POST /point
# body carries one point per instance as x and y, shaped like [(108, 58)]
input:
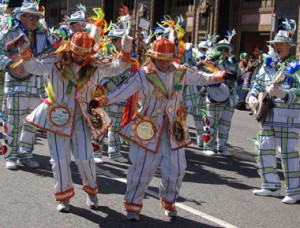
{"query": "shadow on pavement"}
[(112, 218)]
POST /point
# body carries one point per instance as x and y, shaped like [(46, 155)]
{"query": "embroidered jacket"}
[(160, 97), (285, 113), (71, 94)]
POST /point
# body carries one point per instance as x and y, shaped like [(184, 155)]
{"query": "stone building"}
[(255, 21)]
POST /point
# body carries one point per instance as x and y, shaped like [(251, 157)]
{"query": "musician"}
[(22, 90), (280, 129), (221, 112), (74, 75), (158, 132)]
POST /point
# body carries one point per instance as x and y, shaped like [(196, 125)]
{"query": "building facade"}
[(255, 21)]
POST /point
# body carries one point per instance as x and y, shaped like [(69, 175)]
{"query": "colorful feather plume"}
[(230, 34), (294, 67), (147, 36), (99, 21), (81, 7), (289, 25), (210, 40), (99, 27), (123, 11), (172, 31)]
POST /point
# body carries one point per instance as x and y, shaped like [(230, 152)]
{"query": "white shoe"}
[(11, 164), (291, 199), (29, 163), (63, 206), (92, 201), (133, 216), (98, 160), (120, 159), (171, 214), (209, 152), (266, 192), (224, 153)]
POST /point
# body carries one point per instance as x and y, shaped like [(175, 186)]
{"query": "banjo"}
[(265, 102), (12, 45)]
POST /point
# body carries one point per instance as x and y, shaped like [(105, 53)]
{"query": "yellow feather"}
[(17, 63), (50, 92)]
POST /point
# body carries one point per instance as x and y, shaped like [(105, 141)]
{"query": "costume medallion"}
[(59, 115), (178, 131), (96, 119), (145, 130)]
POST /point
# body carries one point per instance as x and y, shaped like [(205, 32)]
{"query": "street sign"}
[(144, 23)]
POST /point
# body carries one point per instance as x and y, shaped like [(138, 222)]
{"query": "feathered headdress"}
[(173, 32), (125, 15), (225, 43), (81, 7), (99, 27), (286, 35)]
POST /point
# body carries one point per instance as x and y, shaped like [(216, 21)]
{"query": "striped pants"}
[(144, 165), (285, 140), (19, 137), (80, 146), (115, 112), (220, 123)]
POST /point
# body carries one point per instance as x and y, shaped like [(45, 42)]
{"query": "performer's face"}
[(77, 27), (29, 21), (282, 50), (162, 65), (78, 59)]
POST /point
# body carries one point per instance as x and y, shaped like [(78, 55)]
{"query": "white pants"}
[(81, 147), (145, 164)]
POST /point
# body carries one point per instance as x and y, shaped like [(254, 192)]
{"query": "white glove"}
[(20, 42), (275, 91), (126, 44), (23, 44), (253, 102)]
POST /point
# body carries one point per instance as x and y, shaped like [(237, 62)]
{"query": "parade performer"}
[(158, 132), (280, 128), (22, 90), (74, 75), (221, 109), (75, 23)]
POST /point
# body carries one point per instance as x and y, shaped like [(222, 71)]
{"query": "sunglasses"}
[(33, 17)]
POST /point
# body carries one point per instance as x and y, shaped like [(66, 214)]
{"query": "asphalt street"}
[(216, 192)]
